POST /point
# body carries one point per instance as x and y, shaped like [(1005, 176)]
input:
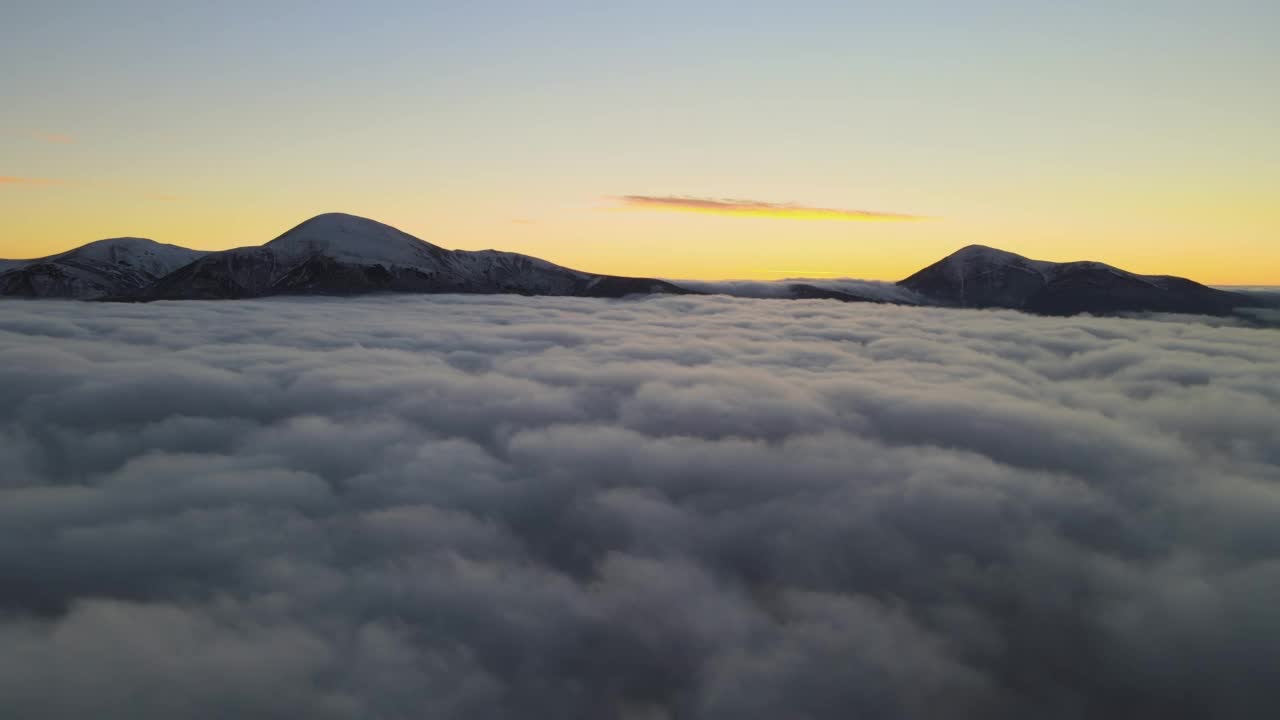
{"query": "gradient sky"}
[(1142, 133)]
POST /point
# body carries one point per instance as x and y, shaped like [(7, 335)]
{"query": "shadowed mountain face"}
[(983, 277)]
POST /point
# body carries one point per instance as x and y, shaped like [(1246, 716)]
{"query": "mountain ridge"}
[(329, 254), (343, 254), (978, 276), (95, 269)]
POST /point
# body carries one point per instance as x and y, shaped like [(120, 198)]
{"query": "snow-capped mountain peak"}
[(149, 256), (353, 239), (977, 259)]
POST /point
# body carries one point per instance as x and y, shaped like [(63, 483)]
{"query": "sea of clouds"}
[(677, 507)]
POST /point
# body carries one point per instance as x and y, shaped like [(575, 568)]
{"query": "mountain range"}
[(330, 254), (339, 254)]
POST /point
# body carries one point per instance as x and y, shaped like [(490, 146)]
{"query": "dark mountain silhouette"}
[(983, 277), (338, 254)]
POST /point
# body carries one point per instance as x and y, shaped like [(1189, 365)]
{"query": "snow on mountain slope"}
[(359, 241), (351, 239), (146, 256), (981, 276), (98, 269)]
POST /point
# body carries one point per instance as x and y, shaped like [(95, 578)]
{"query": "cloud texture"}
[(681, 507), (755, 208)]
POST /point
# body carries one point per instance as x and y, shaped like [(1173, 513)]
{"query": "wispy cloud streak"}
[(758, 208)]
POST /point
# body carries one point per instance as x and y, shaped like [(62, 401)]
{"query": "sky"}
[(705, 140)]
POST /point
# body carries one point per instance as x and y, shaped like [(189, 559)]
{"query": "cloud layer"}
[(756, 208), (681, 507)]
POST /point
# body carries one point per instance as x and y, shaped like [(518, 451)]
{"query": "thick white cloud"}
[(678, 507)]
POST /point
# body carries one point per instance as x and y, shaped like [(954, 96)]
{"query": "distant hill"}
[(982, 277)]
